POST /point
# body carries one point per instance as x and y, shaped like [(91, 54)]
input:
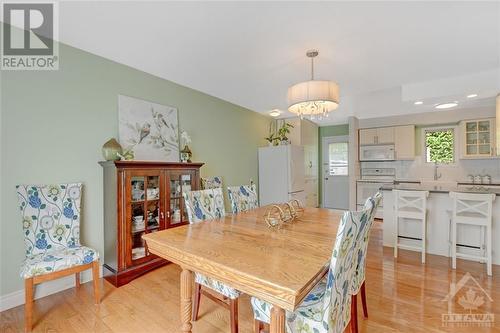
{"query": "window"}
[(338, 158), (440, 145)]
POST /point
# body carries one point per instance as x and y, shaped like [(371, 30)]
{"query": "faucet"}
[(436, 174)]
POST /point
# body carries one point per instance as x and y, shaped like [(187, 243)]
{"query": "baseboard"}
[(16, 298)]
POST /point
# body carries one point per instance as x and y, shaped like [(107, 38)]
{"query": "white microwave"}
[(376, 153)]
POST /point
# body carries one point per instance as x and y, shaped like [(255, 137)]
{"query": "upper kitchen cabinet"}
[(404, 142), (376, 136), (478, 138), (402, 137)]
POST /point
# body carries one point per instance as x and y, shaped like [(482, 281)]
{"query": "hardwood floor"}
[(403, 296)]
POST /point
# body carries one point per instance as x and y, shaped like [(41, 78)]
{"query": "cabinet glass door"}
[(478, 137), (144, 213), (179, 183)]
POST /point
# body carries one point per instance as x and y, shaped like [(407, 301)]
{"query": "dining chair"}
[(201, 206), (243, 198), (51, 228), (327, 307), (208, 183), (360, 251)]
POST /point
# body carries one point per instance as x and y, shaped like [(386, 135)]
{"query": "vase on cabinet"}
[(111, 150)]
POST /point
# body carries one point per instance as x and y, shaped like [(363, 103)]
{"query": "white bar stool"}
[(473, 209), (411, 205)]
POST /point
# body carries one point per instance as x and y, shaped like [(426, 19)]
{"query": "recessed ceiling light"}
[(418, 103), (275, 113), (446, 105), (471, 95)]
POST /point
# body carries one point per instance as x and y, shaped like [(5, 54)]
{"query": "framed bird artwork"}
[(150, 130)]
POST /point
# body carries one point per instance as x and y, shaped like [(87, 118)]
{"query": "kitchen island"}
[(439, 206)]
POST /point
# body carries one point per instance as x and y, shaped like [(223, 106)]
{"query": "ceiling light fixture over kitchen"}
[(418, 103), (275, 113), (471, 95), (446, 105), (313, 98)]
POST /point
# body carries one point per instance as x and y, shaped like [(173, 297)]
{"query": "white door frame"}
[(334, 138)]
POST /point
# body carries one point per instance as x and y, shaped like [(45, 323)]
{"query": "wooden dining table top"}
[(278, 266)]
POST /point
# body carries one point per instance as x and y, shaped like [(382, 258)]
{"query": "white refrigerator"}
[(281, 174)]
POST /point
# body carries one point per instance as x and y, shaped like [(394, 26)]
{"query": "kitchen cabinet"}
[(141, 198), (367, 136), (403, 138), (376, 136), (311, 189), (305, 133), (478, 138), (404, 142)]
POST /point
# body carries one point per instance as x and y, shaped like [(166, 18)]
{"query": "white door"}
[(335, 172)]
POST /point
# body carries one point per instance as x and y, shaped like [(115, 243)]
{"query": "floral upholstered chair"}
[(210, 183), (201, 206), (327, 307), (51, 227), (243, 198), (360, 251), (204, 205)]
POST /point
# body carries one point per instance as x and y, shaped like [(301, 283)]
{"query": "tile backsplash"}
[(420, 170)]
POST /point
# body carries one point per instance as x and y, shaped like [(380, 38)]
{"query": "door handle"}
[(326, 178)]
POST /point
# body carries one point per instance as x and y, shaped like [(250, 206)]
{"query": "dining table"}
[(279, 266)]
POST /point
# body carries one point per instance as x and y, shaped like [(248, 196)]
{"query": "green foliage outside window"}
[(439, 146)]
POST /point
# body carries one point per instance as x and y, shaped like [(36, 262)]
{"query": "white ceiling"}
[(382, 54)]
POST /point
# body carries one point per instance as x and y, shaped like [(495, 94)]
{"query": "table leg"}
[(186, 300), (277, 320)]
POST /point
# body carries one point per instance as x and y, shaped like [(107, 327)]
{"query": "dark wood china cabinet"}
[(141, 197)]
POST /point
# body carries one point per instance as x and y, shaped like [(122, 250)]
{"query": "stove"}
[(369, 184)]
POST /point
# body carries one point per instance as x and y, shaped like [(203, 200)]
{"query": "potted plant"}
[(283, 132), (271, 139)]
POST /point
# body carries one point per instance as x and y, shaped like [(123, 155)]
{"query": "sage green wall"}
[(54, 124), (326, 131)]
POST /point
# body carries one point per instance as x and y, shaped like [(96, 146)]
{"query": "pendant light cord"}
[(312, 68)]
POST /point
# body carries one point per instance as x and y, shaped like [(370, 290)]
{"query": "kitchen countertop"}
[(440, 188)]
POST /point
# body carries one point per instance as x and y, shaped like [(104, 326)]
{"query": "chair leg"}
[(482, 241), (233, 307), (453, 245), (95, 280), (354, 313), (256, 326), (77, 280), (489, 251), (396, 228), (28, 305), (424, 239), (363, 300), (196, 302)]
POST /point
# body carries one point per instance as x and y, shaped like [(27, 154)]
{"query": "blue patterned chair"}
[(51, 228), (202, 206), (242, 198), (360, 251), (210, 183), (327, 307)]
